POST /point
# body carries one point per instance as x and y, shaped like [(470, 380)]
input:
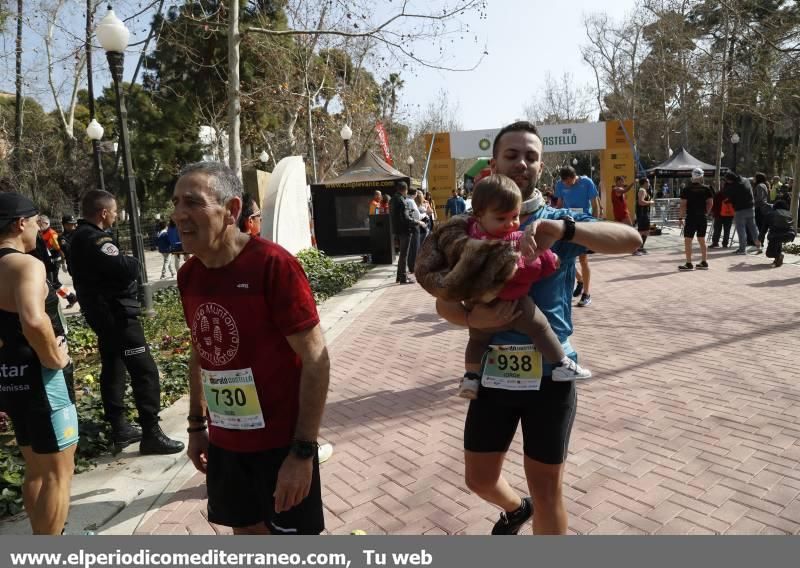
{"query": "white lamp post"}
[(410, 162), (346, 135), (113, 37), (95, 131), (735, 141)]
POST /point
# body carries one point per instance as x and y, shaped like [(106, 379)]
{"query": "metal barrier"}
[(665, 212)]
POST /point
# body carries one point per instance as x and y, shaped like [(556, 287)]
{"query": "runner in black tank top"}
[(39, 401), (34, 370)]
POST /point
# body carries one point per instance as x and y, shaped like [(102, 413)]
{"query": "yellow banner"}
[(616, 138), (441, 146)]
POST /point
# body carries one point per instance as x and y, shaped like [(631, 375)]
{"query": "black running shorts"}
[(546, 416), (695, 226), (643, 223), (241, 487), (40, 404)]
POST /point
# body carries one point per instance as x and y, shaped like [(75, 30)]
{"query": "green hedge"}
[(169, 341), (791, 248)]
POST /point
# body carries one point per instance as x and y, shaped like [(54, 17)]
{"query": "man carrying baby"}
[(545, 408), (496, 204)]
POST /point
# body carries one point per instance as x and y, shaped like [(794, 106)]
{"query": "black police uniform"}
[(106, 282), (64, 241), (50, 265)]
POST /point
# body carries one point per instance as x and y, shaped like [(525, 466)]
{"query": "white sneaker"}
[(468, 388), (569, 370), (324, 452)]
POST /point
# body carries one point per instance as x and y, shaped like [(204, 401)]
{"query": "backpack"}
[(726, 209)]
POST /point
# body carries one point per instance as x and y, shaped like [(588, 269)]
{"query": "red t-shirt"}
[(239, 316), (620, 206)]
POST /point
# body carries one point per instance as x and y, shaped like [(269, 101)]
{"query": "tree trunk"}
[(796, 183), (725, 67), (18, 107), (234, 104)]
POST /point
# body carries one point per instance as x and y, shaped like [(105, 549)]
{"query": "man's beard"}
[(527, 191)]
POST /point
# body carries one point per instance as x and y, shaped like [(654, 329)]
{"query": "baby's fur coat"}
[(454, 267)]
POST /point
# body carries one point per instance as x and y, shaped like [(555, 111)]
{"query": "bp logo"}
[(484, 144)]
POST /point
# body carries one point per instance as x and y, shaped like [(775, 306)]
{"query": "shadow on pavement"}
[(776, 283), (643, 276), (742, 267), (357, 411)]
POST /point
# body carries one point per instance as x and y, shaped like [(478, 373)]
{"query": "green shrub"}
[(169, 341), (791, 248), (328, 278)]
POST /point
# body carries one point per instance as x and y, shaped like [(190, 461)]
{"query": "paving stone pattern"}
[(690, 428)]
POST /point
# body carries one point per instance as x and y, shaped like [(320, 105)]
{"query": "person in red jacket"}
[(618, 200), (723, 212)]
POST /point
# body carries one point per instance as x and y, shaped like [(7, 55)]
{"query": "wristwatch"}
[(304, 449), (569, 228)]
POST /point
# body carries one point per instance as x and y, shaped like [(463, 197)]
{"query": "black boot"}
[(124, 434), (154, 441)]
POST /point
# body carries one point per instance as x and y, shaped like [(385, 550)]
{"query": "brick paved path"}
[(692, 426)]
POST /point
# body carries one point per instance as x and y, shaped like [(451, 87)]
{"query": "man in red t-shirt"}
[(259, 369), (618, 200)]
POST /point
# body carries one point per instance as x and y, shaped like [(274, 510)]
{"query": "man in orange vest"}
[(50, 238)]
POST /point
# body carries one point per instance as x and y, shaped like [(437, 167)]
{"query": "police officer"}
[(69, 223), (107, 289)]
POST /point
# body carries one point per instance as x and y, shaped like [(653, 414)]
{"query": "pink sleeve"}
[(549, 263)]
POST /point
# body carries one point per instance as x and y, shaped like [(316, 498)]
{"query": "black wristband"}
[(192, 429), (569, 228), (196, 418)]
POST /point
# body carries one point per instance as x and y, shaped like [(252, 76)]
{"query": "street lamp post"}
[(346, 135), (98, 162), (735, 141), (113, 37), (95, 133), (263, 157), (410, 162)]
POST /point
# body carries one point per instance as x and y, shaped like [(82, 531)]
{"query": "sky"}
[(525, 39)]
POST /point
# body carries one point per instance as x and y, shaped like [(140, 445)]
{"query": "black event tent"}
[(681, 164), (341, 205)]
